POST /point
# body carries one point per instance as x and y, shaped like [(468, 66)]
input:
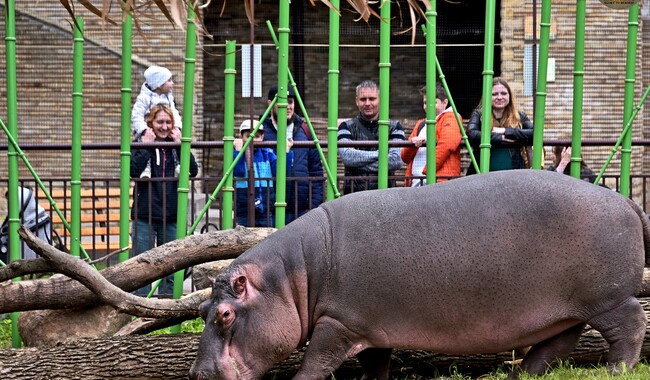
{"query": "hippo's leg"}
[(375, 363), (328, 348), (624, 329), (543, 354)]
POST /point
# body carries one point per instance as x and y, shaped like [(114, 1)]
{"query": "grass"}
[(564, 371)]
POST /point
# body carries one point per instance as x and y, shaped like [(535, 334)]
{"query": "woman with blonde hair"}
[(512, 131)]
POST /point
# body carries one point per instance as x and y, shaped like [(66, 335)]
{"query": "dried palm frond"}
[(176, 10)]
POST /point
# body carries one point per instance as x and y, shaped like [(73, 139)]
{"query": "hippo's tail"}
[(646, 228)]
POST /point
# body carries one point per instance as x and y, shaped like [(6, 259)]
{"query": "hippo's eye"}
[(226, 314)]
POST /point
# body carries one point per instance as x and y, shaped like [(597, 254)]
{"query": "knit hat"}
[(274, 90), (156, 76), (246, 126)]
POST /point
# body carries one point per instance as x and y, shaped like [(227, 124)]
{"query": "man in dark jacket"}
[(307, 192)]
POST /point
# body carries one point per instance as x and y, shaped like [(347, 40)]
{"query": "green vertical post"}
[(431, 60), (125, 140), (77, 113), (12, 153), (333, 94), (578, 81), (542, 73), (488, 76), (186, 140), (283, 77), (628, 104), (384, 92), (228, 133)]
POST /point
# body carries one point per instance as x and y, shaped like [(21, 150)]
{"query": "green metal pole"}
[(430, 70), (578, 80), (330, 178), (488, 76), (230, 73), (333, 96), (12, 154), (542, 73), (463, 134), (283, 68), (228, 172), (384, 92), (77, 113), (186, 140), (630, 66), (628, 126), (125, 141)]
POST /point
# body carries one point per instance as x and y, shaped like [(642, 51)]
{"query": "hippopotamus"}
[(480, 264)]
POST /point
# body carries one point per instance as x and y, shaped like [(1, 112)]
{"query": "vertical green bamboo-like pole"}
[(384, 92), (77, 113), (228, 132), (186, 140), (125, 140), (630, 66), (488, 76), (578, 81), (12, 153), (542, 73), (431, 60), (333, 94), (283, 77)]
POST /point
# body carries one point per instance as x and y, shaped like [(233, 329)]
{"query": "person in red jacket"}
[(448, 139)]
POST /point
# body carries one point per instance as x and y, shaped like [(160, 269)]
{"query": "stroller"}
[(32, 216)]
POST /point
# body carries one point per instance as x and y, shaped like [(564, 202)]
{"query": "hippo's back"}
[(497, 240)]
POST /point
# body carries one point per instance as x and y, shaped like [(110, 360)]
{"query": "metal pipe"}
[(384, 92), (578, 80), (630, 66), (228, 172), (625, 132), (228, 132), (540, 102), (77, 117), (333, 74), (330, 178), (283, 68), (125, 138), (488, 76), (430, 71), (12, 152)]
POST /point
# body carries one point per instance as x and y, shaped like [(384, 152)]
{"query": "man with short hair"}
[(302, 194), (364, 161)]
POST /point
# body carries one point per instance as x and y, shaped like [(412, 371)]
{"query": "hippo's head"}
[(249, 326)]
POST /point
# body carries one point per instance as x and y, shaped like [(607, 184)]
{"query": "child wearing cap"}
[(264, 165), (156, 89)]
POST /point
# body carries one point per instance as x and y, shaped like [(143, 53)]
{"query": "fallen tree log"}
[(170, 357), (61, 292)]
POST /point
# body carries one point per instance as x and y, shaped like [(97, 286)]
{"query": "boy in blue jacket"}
[(264, 165)]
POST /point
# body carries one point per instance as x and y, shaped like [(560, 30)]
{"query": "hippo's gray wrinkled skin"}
[(480, 264)]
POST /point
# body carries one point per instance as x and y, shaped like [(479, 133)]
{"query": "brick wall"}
[(44, 78)]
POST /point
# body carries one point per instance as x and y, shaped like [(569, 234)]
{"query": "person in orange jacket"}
[(448, 138)]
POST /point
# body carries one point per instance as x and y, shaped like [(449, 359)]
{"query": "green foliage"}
[(5, 332), (191, 326)]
